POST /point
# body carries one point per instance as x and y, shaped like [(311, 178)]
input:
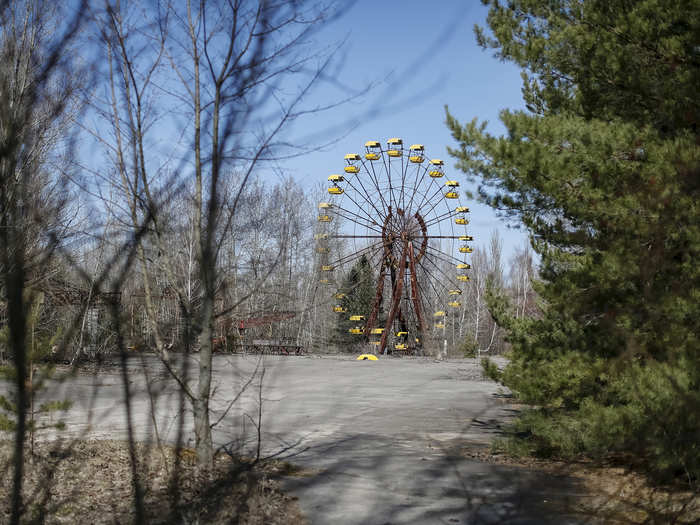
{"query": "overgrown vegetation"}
[(603, 169)]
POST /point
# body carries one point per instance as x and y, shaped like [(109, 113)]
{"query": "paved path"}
[(382, 442)]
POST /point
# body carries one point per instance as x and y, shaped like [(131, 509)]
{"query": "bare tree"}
[(35, 91), (219, 73)]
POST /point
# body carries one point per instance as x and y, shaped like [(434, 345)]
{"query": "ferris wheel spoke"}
[(444, 256), (362, 209), (439, 218), (356, 254), (375, 180), (416, 183), (366, 197), (358, 219)]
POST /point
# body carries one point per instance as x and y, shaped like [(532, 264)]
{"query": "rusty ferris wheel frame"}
[(406, 217)]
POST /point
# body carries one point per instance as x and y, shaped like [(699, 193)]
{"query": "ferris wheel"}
[(396, 209)]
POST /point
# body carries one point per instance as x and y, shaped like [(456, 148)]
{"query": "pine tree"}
[(603, 169), (358, 292)]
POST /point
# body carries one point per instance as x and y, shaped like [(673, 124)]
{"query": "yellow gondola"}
[(464, 266), (451, 195), (336, 178), (324, 281), (401, 346), (401, 334), (339, 295), (374, 150), (463, 278), (436, 174), (375, 343), (440, 313), (460, 220), (335, 190), (416, 153), (325, 205), (325, 218), (395, 147), (352, 169), (377, 331), (466, 238), (452, 183), (339, 309), (437, 162), (454, 304), (357, 318), (356, 331), (465, 249), (351, 157), (462, 209), (318, 236), (439, 325), (327, 268), (455, 292)]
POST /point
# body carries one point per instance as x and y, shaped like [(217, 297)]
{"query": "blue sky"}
[(420, 56)]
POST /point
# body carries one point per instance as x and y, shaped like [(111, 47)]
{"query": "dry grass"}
[(91, 482)]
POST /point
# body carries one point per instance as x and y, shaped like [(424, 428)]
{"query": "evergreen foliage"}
[(604, 171), (359, 290)]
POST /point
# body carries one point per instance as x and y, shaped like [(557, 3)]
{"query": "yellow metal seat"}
[(462, 209), (464, 266), (439, 313), (356, 331), (454, 304), (439, 325), (335, 190), (401, 346), (324, 281), (416, 153), (325, 205), (357, 318), (325, 218), (339, 309), (463, 278), (339, 295), (377, 331), (318, 236), (466, 238), (455, 292), (374, 150), (452, 183), (327, 268), (395, 147), (351, 157), (451, 195), (460, 220), (437, 162), (336, 178), (352, 169), (436, 174), (401, 334), (465, 249)]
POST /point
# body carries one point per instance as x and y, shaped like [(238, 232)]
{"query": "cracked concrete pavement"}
[(379, 442)]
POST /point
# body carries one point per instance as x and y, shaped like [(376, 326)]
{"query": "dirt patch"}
[(91, 482), (615, 494)]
